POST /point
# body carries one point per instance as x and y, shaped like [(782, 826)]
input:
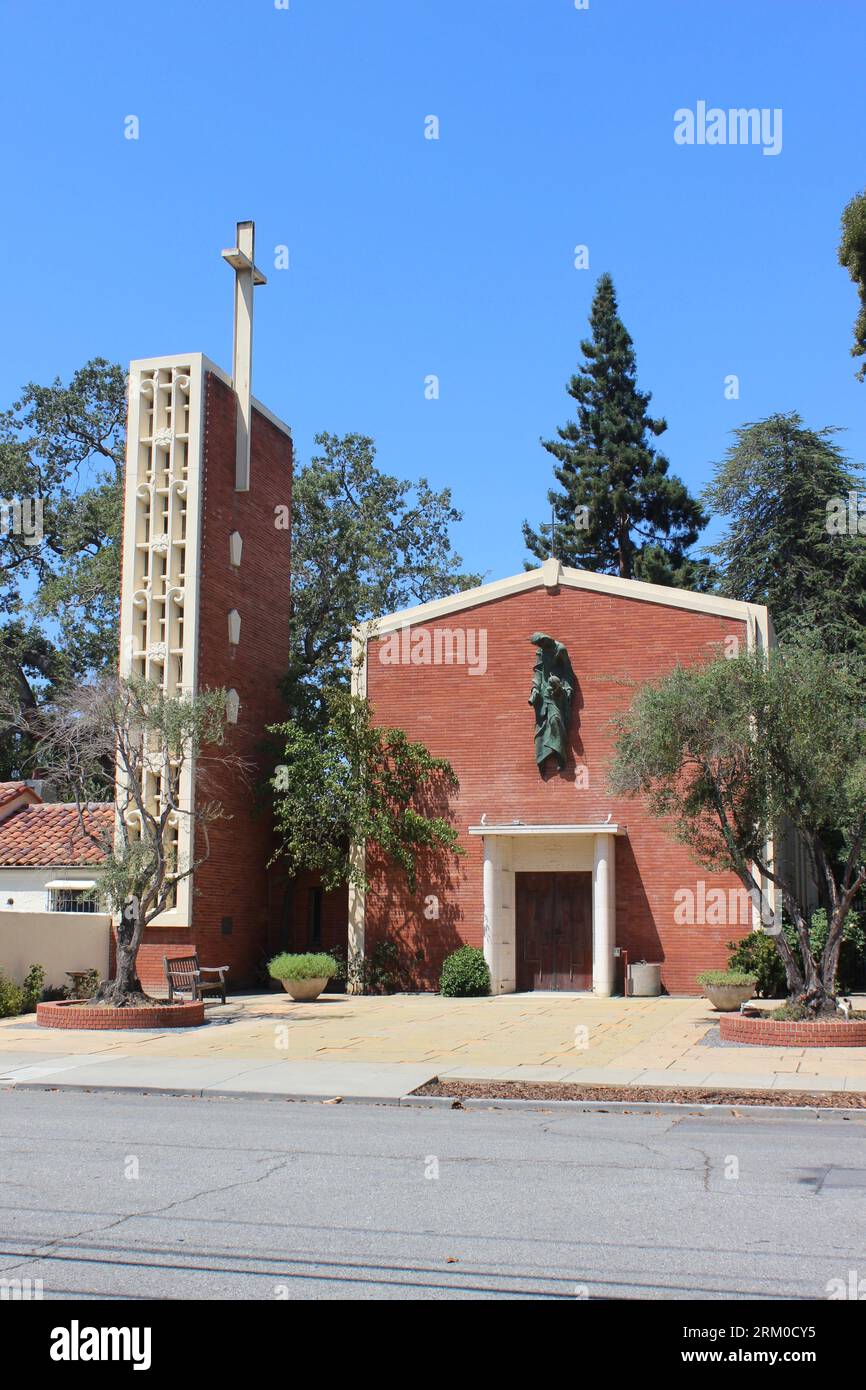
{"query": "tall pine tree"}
[(617, 510), (794, 539), (852, 254)]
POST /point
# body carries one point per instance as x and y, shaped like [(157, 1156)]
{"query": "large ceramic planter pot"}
[(304, 990), (727, 998)]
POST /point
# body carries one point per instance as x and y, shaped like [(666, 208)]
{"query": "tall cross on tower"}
[(247, 275)]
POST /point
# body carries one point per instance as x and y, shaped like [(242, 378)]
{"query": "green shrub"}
[(381, 971), (852, 953), (21, 999), (11, 997), (34, 984), (83, 986), (714, 978), (794, 1013), (313, 965), (465, 974), (90, 984), (384, 969), (757, 954)]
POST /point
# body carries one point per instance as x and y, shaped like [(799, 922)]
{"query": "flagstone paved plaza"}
[(666, 1041)]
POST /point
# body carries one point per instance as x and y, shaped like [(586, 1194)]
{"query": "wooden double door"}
[(554, 930)]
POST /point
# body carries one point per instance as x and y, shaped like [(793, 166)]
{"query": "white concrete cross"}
[(247, 275)]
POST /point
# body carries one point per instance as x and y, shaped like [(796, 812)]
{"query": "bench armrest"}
[(213, 969)]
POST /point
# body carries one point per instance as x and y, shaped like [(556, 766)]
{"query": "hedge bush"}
[(312, 965), (11, 997), (465, 974), (757, 954), (23, 998)]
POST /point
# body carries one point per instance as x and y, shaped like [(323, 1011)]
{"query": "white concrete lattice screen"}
[(162, 475)]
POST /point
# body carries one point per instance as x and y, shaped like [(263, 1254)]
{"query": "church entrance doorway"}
[(554, 931)]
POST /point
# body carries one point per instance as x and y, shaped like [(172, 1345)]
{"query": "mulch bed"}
[(563, 1090)]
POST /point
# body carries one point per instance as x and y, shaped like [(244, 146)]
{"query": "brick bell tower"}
[(205, 603)]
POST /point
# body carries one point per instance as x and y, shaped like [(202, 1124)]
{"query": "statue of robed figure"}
[(553, 687)]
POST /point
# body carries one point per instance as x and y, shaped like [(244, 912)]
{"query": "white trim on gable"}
[(553, 575)]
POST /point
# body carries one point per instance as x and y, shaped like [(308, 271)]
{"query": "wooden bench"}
[(184, 976)]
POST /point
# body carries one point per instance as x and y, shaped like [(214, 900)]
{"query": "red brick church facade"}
[(561, 881)]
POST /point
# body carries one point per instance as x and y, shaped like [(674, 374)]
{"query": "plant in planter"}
[(727, 989), (303, 976)]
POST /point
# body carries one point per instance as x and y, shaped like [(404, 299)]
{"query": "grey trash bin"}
[(644, 981)]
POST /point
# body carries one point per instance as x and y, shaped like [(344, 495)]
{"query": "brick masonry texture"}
[(60, 1015), (484, 726), (230, 902), (292, 915), (777, 1032)]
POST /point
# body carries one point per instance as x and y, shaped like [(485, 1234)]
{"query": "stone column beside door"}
[(603, 915), (498, 915)]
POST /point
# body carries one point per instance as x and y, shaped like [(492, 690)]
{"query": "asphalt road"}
[(106, 1196)]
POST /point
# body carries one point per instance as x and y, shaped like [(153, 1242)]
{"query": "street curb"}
[(646, 1107), (198, 1092)]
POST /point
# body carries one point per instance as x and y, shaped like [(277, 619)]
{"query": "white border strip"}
[(547, 829), (549, 577)]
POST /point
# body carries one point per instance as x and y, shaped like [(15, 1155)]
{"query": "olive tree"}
[(126, 739), (732, 751)]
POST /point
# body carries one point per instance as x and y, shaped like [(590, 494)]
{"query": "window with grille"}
[(73, 900)]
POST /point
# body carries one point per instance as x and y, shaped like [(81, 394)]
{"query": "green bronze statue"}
[(553, 687)]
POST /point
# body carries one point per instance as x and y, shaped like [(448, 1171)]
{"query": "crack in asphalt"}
[(45, 1247)]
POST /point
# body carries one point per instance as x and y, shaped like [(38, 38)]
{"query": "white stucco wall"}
[(26, 887)]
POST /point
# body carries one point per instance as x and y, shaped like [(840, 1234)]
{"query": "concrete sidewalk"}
[(202, 1076), (384, 1047), (207, 1076)]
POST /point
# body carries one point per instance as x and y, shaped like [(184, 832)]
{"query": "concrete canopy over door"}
[(512, 849)]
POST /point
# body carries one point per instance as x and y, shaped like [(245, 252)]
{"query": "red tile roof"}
[(50, 834), (9, 791)]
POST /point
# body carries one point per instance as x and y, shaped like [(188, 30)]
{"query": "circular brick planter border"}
[(777, 1032), (65, 1013)]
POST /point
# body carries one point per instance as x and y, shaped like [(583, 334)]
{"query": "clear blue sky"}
[(453, 257)]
